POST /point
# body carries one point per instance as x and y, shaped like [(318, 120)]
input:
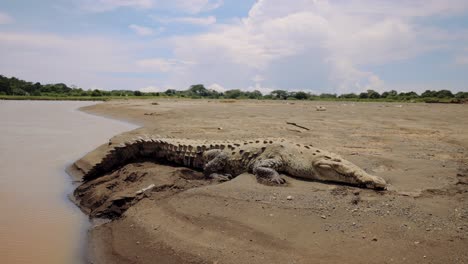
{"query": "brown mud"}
[(420, 149)]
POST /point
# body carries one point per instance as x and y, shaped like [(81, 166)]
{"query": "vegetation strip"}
[(16, 89)]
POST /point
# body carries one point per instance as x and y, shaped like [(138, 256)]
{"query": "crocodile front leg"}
[(267, 169), (216, 162)]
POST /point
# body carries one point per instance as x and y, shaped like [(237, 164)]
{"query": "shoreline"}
[(196, 221), (75, 172)]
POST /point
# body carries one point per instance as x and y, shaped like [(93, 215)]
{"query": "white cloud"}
[(94, 53), (86, 61), (462, 57), (186, 6), (108, 5), (328, 46), (144, 31), (5, 18), (194, 6), (258, 78), (462, 60), (349, 36), (153, 89), (202, 21), (216, 87), (259, 87), (162, 65)]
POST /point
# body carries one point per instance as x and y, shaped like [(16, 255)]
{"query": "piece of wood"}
[(294, 124)]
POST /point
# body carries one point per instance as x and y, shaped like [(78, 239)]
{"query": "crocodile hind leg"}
[(267, 169), (213, 169)]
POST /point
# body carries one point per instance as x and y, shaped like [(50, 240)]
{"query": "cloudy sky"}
[(334, 46)]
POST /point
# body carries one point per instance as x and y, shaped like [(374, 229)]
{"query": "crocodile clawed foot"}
[(277, 179), (220, 177)]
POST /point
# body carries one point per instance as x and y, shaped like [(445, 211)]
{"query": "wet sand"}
[(38, 223), (420, 149)]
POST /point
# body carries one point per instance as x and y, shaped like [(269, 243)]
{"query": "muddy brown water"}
[(38, 224)]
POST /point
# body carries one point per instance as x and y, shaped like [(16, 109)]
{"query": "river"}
[(38, 140)]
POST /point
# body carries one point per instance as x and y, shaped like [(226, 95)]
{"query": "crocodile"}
[(265, 158)]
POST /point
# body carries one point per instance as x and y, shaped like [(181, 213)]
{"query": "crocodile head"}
[(339, 170)]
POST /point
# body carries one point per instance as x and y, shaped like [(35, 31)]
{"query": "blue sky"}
[(312, 45)]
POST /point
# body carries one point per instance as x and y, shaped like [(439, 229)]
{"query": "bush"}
[(350, 95), (444, 94), (373, 94), (96, 93), (301, 95), (363, 95)]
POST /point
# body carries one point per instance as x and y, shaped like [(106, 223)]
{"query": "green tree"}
[(4, 85), (233, 94), (349, 95), (19, 91), (389, 94), (461, 95), (279, 94), (256, 94), (327, 95), (444, 94), (96, 93), (373, 94), (198, 90), (301, 95), (429, 93), (170, 92), (408, 95)]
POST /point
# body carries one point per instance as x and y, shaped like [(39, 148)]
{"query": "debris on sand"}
[(289, 198), (299, 126), (151, 114), (320, 108), (294, 130), (151, 186), (355, 200)]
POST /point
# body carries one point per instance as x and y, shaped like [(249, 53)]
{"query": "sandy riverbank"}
[(420, 149)]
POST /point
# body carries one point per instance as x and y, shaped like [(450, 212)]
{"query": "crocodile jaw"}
[(344, 171)]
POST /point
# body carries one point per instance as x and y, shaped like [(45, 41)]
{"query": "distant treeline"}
[(15, 87), (199, 91)]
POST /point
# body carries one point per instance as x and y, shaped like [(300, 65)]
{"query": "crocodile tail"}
[(123, 154)]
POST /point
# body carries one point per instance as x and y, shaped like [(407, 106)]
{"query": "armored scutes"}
[(265, 158)]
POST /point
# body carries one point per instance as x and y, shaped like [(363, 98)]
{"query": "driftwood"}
[(294, 124)]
